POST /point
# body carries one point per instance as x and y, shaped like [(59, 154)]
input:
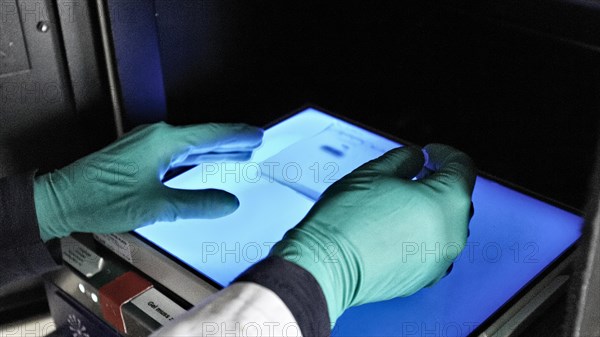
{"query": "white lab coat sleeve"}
[(242, 309)]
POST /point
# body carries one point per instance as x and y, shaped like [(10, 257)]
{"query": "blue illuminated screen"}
[(513, 236)]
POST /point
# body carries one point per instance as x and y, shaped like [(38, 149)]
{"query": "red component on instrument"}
[(118, 292)]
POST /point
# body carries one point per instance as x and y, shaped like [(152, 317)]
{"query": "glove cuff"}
[(47, 208), (327, 261)]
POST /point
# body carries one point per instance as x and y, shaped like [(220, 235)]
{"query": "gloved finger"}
[(219, 137), (448, 271), (436, 280), (451, 168), (179, 142), (403, 162), (199, 204), (211, 157), (471, 213), (425, 172), (441, 276)]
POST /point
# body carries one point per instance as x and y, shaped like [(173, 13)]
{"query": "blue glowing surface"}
[(513, 236)]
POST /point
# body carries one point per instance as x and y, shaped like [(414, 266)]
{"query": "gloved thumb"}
[(404, 162), (199, 204)]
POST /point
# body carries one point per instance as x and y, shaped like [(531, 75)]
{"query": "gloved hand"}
[(119, 188), (371, 235)]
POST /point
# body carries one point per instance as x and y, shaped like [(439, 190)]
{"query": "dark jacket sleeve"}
[(297, 288), (23, 254)]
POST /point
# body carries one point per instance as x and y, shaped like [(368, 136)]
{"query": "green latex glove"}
[(365, 239), (119, 188)]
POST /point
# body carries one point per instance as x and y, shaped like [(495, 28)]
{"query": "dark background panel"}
[(485, 78), (52, 110), (54, 105)]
